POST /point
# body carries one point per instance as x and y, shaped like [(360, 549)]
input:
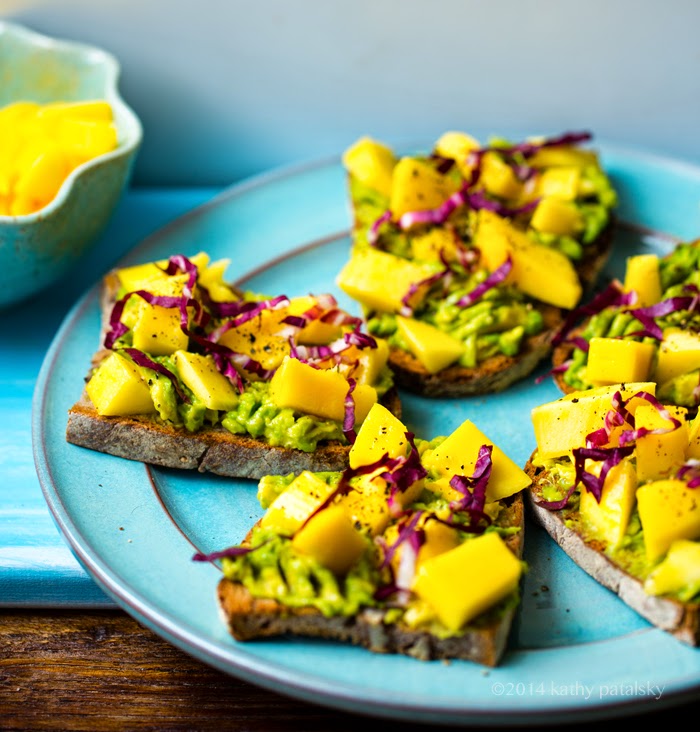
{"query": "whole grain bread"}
[(680, 619), (212, 449), (483, 642)]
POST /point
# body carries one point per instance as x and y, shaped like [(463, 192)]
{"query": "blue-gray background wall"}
[(230, 88)]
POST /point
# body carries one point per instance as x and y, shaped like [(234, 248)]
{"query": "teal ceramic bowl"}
[(39, 249)]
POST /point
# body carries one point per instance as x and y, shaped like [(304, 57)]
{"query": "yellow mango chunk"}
[(679, 570), (434, 348), (211, 277), (464, 582), (381, 434), (367, 504), (320, 392), (331, 539), (416, 186), (42, 144), (157, 330), (609, 519), (660, 455), (669, 511), (563, 155), (679, 353), (371, 362), (642, 277), (97, 109), (438, 539), (142, 276), (562, 425), (304, 495), (259, 338), (457, 146), (457, 455), (365, 278), (539, 271), (199, 373), (498, 178), (616, 361), (694, 438), (372, 163), (117, 388), (560, 182), (434, 244), (553, 215)]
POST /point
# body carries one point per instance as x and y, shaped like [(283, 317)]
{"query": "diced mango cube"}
[(560, 182), (331, 538), (642, 276), (464, 582), (199, 373), (562, 425), (499, 178), (304, 495), (658, 455), (679, 353), (434, 244), (694, 438), (320, 392), (365, 278), (539, 271), (609, 519), (157, 330), (381, 433), (563, 155), (439, 538), (457, 146), (669, 511), (259, 338), (434, 348), (43, 177), (678, 572), (84, 140), (370, 362), (556, 216), (117, 388), (458, 453), (368, 504), (97, 109), (617, 360), (372, 163), (416, 186)]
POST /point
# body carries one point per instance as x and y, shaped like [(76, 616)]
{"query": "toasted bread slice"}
[(149, 439), (484, 641), (213, 450), (679, 619), (400, 204)]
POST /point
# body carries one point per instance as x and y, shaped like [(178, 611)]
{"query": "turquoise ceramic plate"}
[(576, 651)]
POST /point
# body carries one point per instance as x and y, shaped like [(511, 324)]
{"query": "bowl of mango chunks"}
[(68, 142)]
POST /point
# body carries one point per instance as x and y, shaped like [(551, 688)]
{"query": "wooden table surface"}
[(102, 670)]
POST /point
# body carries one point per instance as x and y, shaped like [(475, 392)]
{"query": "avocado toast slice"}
[(416, 548), (646, 328), (615, 483), (467, 260), (193, 373)]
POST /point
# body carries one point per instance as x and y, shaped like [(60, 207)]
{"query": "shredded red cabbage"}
[(373, 233), (495, 278), (473, 490), (690, 473), (406, 309), (647, 316), (349, 418), (141, 359), (232, 551)]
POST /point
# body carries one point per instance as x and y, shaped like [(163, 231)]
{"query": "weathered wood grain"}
[(101, 670)]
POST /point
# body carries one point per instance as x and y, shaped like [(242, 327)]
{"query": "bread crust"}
[(249, 618), (212, 449), (679, 619)]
